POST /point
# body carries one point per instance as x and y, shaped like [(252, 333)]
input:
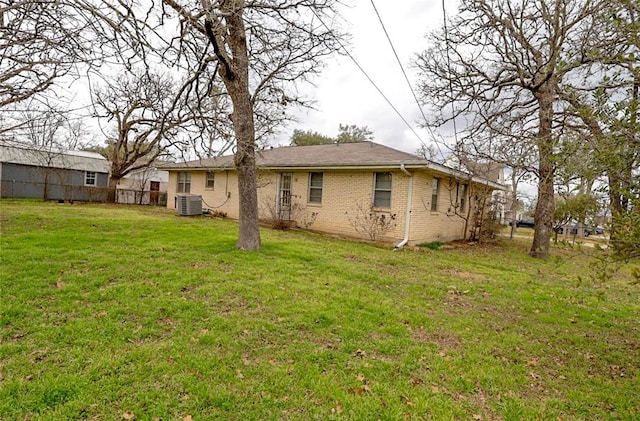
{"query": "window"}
[(462, 192), (211, 180), (382, 190), (315, 187), (184, 182), (90, 178), (284, 208), (434, 194)]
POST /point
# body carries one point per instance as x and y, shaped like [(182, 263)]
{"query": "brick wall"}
[(223, 197), (439, 225), (343, 192)]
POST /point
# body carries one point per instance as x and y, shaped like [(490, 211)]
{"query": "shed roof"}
[(54, 158)]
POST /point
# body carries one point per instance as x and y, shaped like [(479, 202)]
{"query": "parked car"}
[(589, 230), (525, 222)]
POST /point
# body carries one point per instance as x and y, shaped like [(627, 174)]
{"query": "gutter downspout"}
[(407, 224)]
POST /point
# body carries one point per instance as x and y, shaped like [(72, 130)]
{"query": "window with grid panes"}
[(315, 187), (382, 190)]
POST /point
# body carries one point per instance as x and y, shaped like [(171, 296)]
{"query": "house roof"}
[(361, 155), (149, 173), (54, 158)]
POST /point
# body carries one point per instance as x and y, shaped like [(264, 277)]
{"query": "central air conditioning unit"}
[(189, 204)]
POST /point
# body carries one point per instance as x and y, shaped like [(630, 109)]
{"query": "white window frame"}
[(435, 192), (318, 189), (184, 182), (90, 178), (377, 189), (462, 193), (285, 199), (210, 180)]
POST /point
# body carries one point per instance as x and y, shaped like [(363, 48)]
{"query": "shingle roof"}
[(344, 155), (331, 155)]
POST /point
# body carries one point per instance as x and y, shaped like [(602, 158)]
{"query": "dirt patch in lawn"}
[(444, 340), (467, 276)]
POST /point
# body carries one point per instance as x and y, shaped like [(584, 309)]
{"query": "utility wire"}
[(413, 92), (398, 60), (371, 80)]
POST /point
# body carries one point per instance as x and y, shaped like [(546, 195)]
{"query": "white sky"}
[(344, 95)]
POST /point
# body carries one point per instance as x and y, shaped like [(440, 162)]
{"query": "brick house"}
[(363, 190)]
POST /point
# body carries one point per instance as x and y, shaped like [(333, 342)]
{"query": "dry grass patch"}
[(442, 339)]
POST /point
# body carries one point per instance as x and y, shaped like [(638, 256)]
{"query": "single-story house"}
[(363, 190), (52, 174)]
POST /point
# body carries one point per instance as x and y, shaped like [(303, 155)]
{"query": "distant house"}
[(144, 186), (363, 190), (492, 171), (52, 174)]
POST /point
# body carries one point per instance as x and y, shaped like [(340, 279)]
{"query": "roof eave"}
[(350, 167)]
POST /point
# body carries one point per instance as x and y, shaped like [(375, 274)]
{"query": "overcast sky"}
[(343, 93)]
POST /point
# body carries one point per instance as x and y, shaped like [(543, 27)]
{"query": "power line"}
[(370, 80), (398, 60), (406, 78)]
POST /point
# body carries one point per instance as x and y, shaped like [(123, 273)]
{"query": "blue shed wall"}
[(28, 181)]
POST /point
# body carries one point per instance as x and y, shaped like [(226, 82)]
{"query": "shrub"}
[(371, 222)]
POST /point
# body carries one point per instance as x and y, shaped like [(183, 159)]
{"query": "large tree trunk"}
[(545, 204), (111, 189), (244, 127), (245, 160), (249, 229), (234, 71)]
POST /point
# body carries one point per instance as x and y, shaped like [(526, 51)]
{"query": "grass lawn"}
[(114, 312)]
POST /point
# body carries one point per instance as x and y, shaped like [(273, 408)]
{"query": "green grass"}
[(109, 311), (434, 245)]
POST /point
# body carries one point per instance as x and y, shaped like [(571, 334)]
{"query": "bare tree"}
[(40, 135), (211, 133), (461, 191), (44, 41), (428, 152), (140, 180), (146, 112), (261, 49), (77, 135), (505, 151), (504, 62), (36, 47)]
